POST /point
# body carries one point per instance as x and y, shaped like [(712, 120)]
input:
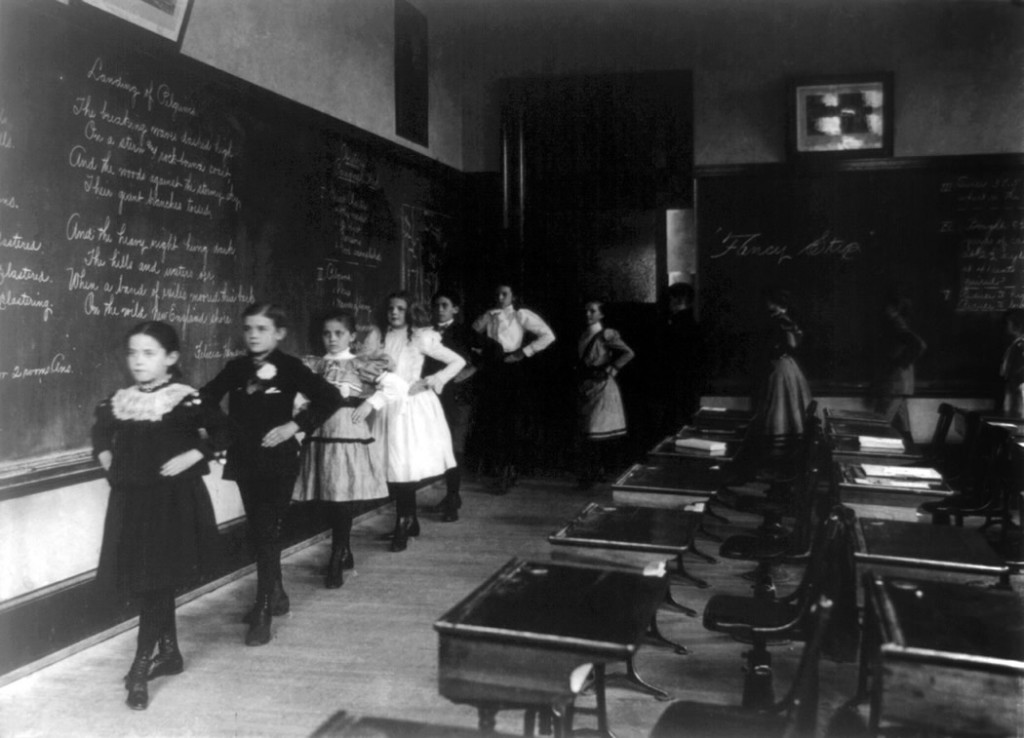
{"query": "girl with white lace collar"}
[(160, 532)]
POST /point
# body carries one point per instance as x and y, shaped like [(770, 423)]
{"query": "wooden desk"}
[(1013, 426), (943, 656), (860, 416), (666, 485), (936, 552), (666, 452), (854, 428), (517, 641), (894, 494), (846, 449), (642, 535), (715, 420)]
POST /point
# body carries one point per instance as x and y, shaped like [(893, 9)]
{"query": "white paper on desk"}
[(713, 410), (881, 443), (655, 569), (913, 472), (901, 483)]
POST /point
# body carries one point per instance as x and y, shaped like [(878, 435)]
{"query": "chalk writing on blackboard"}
[(752, 245), (986, 215)]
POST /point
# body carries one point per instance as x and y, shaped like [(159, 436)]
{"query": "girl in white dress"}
[(417, 441)]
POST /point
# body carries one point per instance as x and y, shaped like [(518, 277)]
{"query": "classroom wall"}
[(335, 56), (958, 65)]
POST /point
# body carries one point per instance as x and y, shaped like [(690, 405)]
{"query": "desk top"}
[(948, 621), (1013, 426), (604, 612), (647, 529), (715, 420), (671, 479), (849, 446), (862, 416), (902, 477), (945, 547), (666, 449)]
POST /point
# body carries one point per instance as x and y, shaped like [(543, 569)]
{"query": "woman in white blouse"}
[(418, 444), (522, 334)]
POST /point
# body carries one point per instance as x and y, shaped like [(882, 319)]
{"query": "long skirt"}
[(157, 536), (784, 400)]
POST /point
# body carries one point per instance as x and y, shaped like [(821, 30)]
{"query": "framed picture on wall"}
[(840, 116), (163, 17)]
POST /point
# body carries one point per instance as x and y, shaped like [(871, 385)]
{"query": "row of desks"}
[(547, 623)]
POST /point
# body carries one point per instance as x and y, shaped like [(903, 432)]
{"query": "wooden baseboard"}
[(53, 623)]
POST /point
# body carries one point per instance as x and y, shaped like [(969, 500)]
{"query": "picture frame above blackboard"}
[(844, 116), (163, 17)]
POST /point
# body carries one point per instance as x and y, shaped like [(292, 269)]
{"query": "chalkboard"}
[(136, 184), (946, 232)]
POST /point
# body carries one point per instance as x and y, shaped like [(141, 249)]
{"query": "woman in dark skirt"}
[(160, 532), (783, 394)]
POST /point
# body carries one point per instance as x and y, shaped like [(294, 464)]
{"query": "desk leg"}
[(655, 633), (633, 678), (684, 574), (487, 719), (672, 601), (700, 554), (708, 534)]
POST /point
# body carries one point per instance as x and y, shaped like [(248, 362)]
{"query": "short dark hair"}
[(346, 317), (270, 310), (454, 295)]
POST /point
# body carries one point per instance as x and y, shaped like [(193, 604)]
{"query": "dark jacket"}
[(258, 405)]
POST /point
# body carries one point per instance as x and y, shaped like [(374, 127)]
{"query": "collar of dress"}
[(133, 403)]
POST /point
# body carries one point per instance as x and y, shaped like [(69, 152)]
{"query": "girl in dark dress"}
[(264, 458), (459, 395), (160, 530), (784, 394)]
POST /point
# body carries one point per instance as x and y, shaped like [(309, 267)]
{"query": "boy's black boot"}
[(259, 628), (168, 660), (137, 683)]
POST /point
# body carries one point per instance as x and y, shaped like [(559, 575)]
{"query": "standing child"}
[(418, 444), (160, 531), (264, 460), (505, 400), (342, 461), (602, 354), (900, 349), (459, 395), (1012, 369)]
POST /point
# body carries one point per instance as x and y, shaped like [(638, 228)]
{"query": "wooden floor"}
[(369, 647)]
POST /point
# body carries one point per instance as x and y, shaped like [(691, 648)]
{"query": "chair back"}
[(937, 450), (800, 703)]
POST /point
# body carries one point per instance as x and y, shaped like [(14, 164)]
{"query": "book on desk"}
[(880, 443), (701, 445), (887, 484)]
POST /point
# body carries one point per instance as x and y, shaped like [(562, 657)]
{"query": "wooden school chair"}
[(758, 619), (785, 495), (981, 489), (796, 714)]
